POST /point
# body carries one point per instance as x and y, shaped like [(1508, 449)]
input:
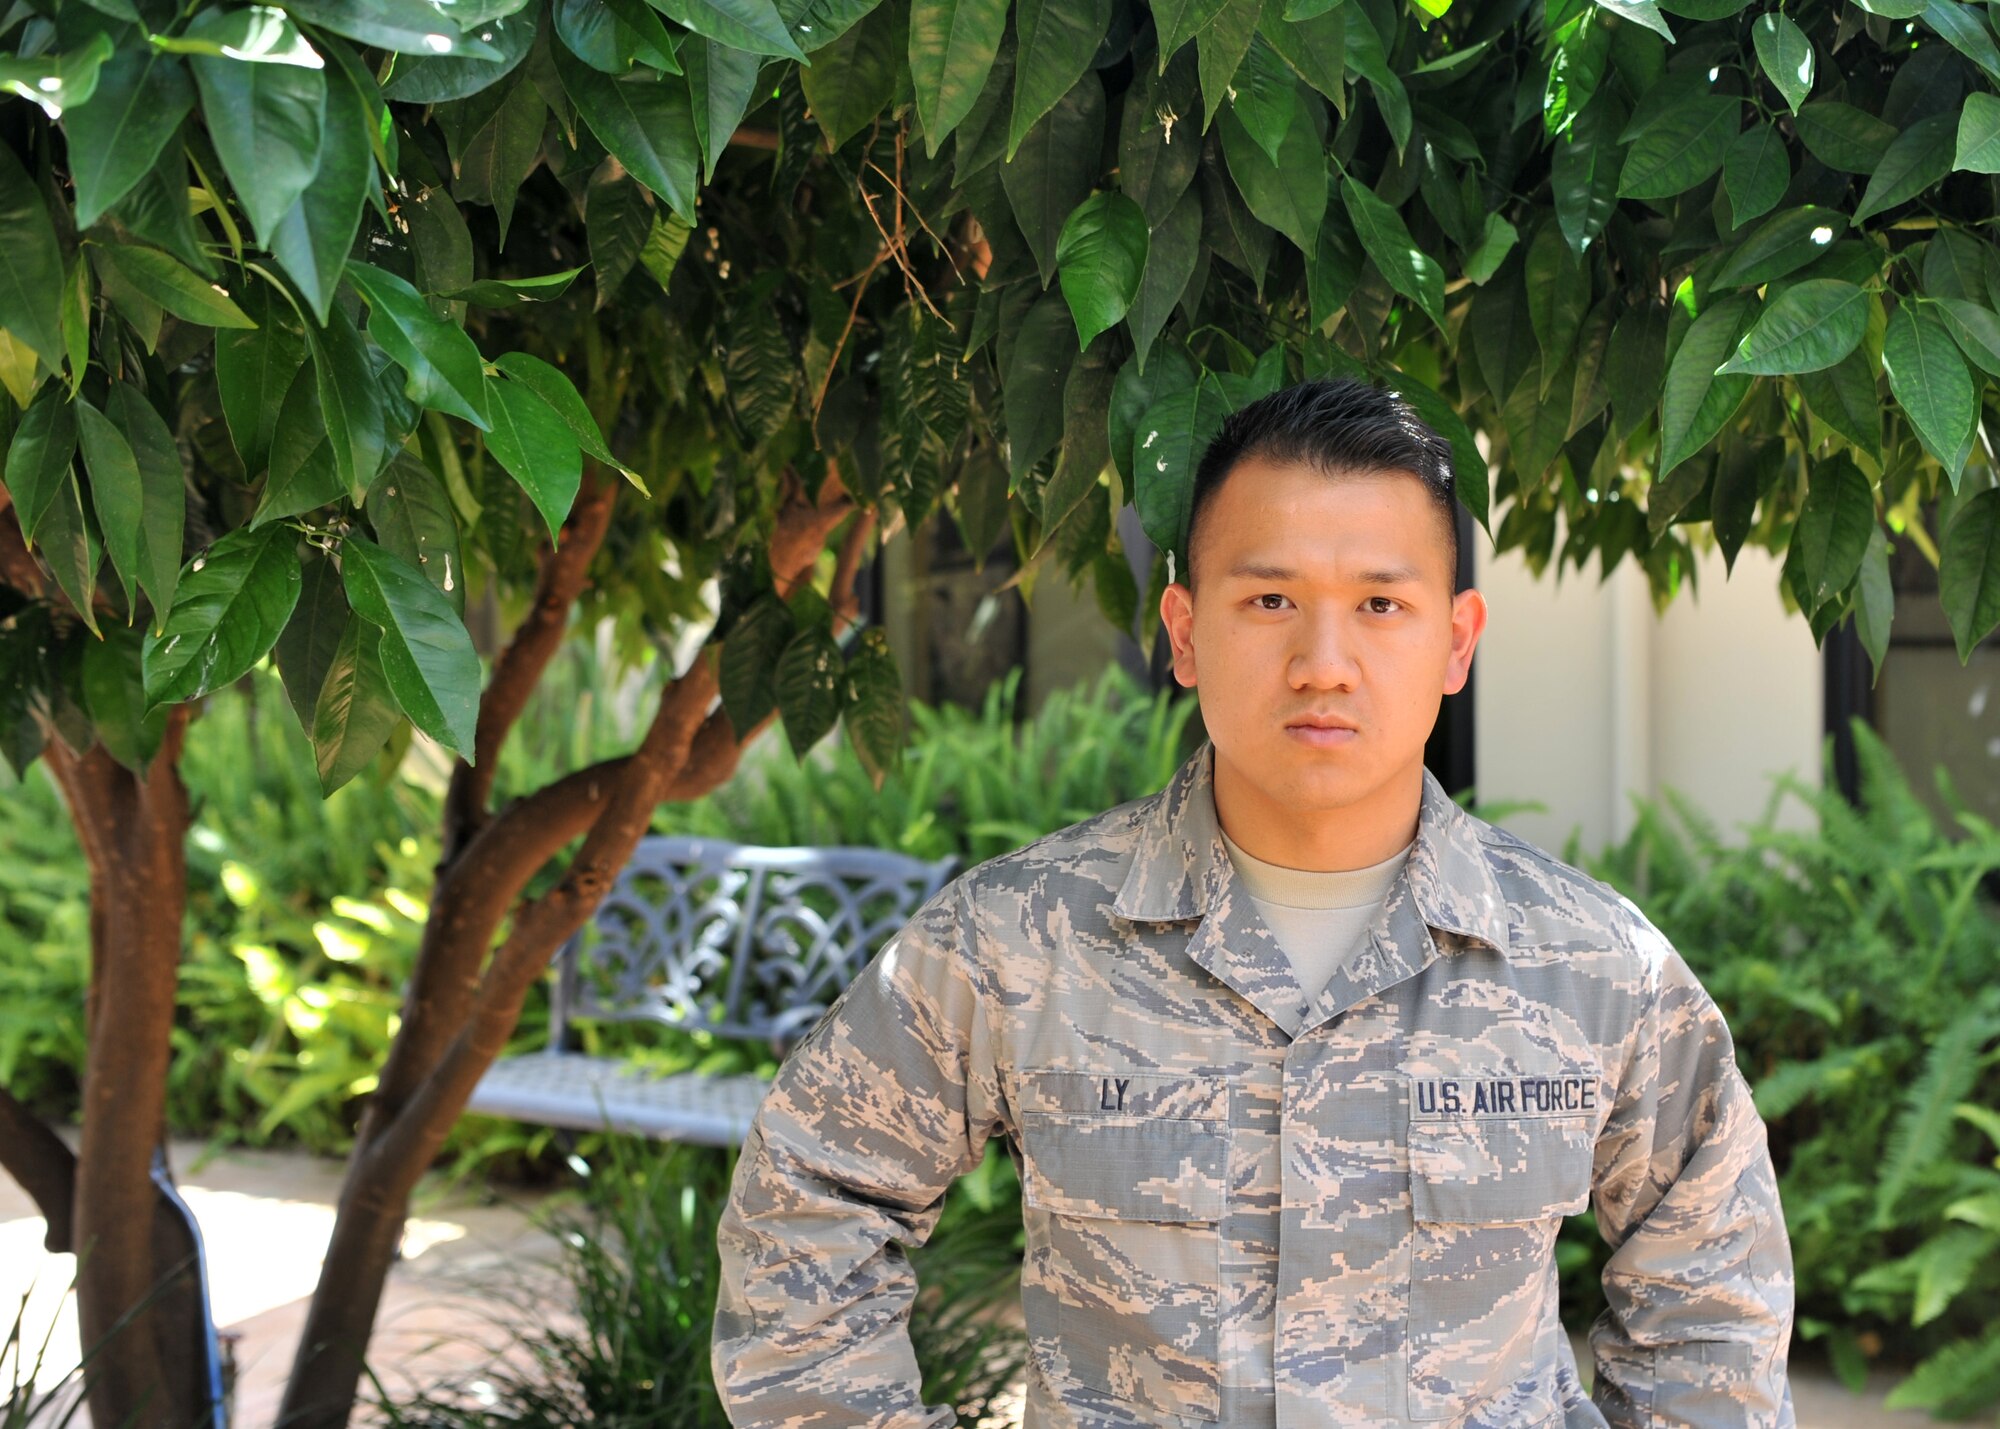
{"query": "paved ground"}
[(468, 1269)]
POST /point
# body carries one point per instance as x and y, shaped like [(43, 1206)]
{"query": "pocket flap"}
[(1124, 1167), (1527, 1169)]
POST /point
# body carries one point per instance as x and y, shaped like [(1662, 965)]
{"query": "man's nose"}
[(1323, 658)]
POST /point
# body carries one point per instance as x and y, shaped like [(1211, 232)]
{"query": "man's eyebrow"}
[(1387, 575)]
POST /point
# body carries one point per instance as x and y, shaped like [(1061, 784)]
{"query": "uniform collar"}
[(1180, 867)]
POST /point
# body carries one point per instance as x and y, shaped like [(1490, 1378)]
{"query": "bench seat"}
[(584, 1093)]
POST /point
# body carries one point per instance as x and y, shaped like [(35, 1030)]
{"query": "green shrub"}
[(1855, 961)]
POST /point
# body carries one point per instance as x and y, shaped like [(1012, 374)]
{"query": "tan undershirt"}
[(1318, 916)]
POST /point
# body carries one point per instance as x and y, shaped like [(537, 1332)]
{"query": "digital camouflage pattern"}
[(1252, 1207)]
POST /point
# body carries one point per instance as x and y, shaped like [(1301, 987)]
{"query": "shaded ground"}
[(467, 1268)]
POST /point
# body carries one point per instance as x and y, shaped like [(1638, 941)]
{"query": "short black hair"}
[(1341, 426)]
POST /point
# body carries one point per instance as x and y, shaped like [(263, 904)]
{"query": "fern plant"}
[(1854, 959)]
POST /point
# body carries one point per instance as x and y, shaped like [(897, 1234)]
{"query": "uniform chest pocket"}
[(1124, 1216), (1486, 1196)]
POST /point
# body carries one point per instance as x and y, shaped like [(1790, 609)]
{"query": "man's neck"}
[(1350, 836)]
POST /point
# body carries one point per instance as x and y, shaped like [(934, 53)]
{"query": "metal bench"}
[(735, 939)]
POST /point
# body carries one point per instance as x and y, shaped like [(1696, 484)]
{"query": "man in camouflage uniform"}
[(1249, 1201)]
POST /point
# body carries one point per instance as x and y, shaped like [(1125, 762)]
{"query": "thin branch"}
[(44, 1166), (518, 671)]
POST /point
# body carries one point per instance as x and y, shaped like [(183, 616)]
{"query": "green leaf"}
[(411, 516), (70, 545), (1409, 270), (1875, 601), (1916, 160), (57, 81), (1755, 173), (1051, 172), (116, 698), (1534, 427), (1221, 48), (264, 120), (1844, 397), (753, 25), (1786, 56), (1976, 328), (306, 647), (1165, 449), (853, 79), (1171, 255), (1808, 326), (722, 82), (115, 491), (1583, 174), (872, 704), (749, 661), (1681, 148), (163, 493), (536, 446), (445, 371), (1696, 400), (1289, 194), (1265, 99), (1100, 257), (1969, 571), (1833, 526), (1496, 241), (510, 292), (1468, 464), (350, 402), (313, 235), (303, 474), (172, 284), (1958, 265), (1322, 47), (355, 712), (1037, 369), (1640, 12), (646, 121), (1558, 297), (1054, 40), (1979, 134), (808, 684), (1157, 151), (1967, 31), (427, 655), (1781, 244), (411, 27), (39, 456), (31, 264), (1134, 394), (254, 368), (233, 602), (618, 215), (438, 78), (549, 384), (952, 46), (141, 97), (1843, 137), (1175, 22), (1931, 384)]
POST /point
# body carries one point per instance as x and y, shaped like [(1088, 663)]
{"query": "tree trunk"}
[(462, 1005), (139, 1308)]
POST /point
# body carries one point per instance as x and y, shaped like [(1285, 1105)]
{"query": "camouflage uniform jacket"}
[(1248, 1206)]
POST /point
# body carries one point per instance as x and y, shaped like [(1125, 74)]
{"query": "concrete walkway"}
[(474, 1268)]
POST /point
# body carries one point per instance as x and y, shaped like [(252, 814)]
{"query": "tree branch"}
[(519, 669), (44, 1166)]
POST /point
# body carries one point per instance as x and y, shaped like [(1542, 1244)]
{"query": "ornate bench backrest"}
[(736, 939)]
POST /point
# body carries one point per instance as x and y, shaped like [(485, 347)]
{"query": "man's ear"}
[(1468, 623), (1177, 614)]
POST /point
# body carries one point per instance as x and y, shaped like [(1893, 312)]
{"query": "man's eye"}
[(1391, 599), (1268, 595)]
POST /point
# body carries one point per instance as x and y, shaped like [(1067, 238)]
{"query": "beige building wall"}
[(1583, 694)]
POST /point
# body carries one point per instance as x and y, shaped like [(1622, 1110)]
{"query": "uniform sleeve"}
[(1699, 1282), (872, 1115)]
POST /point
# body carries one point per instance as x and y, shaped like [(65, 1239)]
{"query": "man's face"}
[(1321, 598)]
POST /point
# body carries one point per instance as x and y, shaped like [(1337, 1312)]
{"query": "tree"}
[(854, 262)]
